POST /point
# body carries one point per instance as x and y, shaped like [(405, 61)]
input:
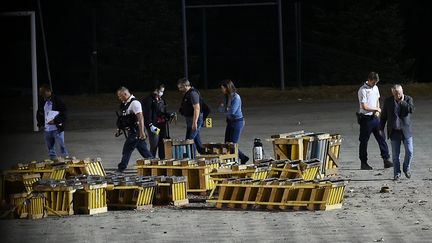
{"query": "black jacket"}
[(154, 109), (388, 115), (57, 105)]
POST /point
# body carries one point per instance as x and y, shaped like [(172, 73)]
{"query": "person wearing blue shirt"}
[(234, 116)]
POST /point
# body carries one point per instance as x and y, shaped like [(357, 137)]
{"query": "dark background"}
[(139, 41)]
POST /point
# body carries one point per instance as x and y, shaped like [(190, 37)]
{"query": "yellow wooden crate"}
[(59, 201), (172, 192), (197, 172), (92, 199), (28, 205), (288, 148), (331, 165), (29, 179), (131, 197)]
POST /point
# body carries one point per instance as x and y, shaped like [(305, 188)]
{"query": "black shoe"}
[(243, 161), (365, 166), (120, 171), (387, 164), (407, 174)]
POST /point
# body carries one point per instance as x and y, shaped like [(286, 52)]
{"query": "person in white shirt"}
[(132, 122), (369, 121)]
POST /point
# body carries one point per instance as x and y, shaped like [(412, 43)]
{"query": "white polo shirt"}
[(368, 95), (134, 107)]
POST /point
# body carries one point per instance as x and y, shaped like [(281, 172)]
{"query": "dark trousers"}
[(156, 141), (195, 135), (232, 134), (368, 125), (129, 146)]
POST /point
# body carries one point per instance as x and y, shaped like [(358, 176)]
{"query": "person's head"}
[(227, 87), (45, 91), (183, 85), (123, 94), (397, 91), (373, 78), (159, 90)]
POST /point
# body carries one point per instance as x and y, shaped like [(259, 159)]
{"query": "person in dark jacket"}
[(232, 108), (191, 109), (51, 117), (396, 113), (156, 120)]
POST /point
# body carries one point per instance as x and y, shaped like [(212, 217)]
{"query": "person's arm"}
[(195, 100), (407, 105), (196, 108), (140, 119), (383, 118)]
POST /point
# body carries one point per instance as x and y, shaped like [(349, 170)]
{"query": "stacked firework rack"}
[(40, 189), (196, 172), (294, 180), (223, 152), (305, 146), (179, 149), (280, 194)]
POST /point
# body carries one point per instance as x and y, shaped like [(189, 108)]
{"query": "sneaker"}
[(365, 166), (387, 164), (397, 177), (407, 174)]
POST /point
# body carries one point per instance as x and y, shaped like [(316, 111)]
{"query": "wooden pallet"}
[(57, 172), (223, 158), (172, 192), (197, 172), (91, 200), (179, 149), (130, 197), (279, 194)]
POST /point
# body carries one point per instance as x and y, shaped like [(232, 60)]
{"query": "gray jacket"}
[(388, 115)]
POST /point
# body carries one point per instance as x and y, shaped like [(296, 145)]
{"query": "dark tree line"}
[(140, 41)]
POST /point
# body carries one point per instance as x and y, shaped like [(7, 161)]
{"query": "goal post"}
[(32, 16)]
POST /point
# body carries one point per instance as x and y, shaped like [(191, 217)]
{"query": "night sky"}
[(138, 41)]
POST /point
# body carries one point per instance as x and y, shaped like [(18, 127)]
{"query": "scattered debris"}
[(385, 189)]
